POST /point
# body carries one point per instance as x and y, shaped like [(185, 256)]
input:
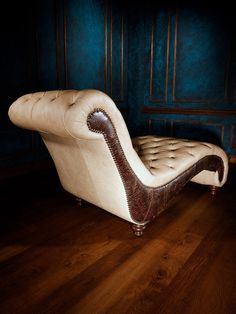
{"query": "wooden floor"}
[(59, 258)]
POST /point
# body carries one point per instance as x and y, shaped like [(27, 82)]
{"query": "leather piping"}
[(144, 202)]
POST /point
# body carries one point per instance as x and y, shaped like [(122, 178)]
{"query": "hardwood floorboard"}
[(50, 263), (56, 257), (179, 294), (167, 263)]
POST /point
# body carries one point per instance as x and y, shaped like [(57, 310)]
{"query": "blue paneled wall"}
[(170, 69), (182, 59)]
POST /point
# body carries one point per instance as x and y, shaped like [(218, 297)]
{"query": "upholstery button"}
[(165, 154)]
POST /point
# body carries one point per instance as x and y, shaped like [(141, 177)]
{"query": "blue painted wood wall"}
[(183, 62), (170, 69)]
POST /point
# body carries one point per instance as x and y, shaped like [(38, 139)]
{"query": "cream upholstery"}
[(84, 160), (167, 157)]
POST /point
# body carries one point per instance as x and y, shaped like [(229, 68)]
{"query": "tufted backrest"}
[(82, 158), (63, 113)]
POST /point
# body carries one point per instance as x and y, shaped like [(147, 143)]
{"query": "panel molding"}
[(152, 45), (65, 43), (192, 122), (232, 136), (176, 100), (189, 111), (121, 83), (106, 48), (58, 53), (232, 159), (150, 123), (65, 22)]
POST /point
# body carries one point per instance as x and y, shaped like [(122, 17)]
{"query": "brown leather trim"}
[(144, 202)]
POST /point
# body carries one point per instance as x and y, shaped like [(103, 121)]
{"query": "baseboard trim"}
[(232, 159)]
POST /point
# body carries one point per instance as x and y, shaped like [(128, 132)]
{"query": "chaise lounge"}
[(97, 161)]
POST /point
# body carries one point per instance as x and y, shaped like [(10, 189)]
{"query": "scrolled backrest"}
[(64, 113), (81, 153)]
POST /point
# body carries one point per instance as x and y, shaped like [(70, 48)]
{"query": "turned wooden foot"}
[(138, 229), (79, 201), (214, 189)]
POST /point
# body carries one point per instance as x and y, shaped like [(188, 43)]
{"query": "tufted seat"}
[(168, 157), (96, 160)]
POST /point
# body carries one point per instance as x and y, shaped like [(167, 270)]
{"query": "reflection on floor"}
[(57, 257)]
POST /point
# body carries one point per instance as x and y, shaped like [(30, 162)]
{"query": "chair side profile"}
[(97, 161)]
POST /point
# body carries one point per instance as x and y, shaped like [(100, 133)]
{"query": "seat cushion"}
[(167, 157)]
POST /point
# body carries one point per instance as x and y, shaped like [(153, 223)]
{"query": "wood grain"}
[(56, 257)]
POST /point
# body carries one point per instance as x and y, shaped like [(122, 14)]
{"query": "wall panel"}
[(157, 126), (193, 90), (201, 57), (85, 44), (117, 54), (233, 136), (198, 130), (158, 63)]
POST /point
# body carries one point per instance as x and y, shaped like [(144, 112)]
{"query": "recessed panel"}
[(117, 53), (201, 56), (85, 44), (158, 33), (199, 131), (157, 127)]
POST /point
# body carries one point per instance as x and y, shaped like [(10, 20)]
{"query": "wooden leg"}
[(214, 189), (79, 201), (138, 229)]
